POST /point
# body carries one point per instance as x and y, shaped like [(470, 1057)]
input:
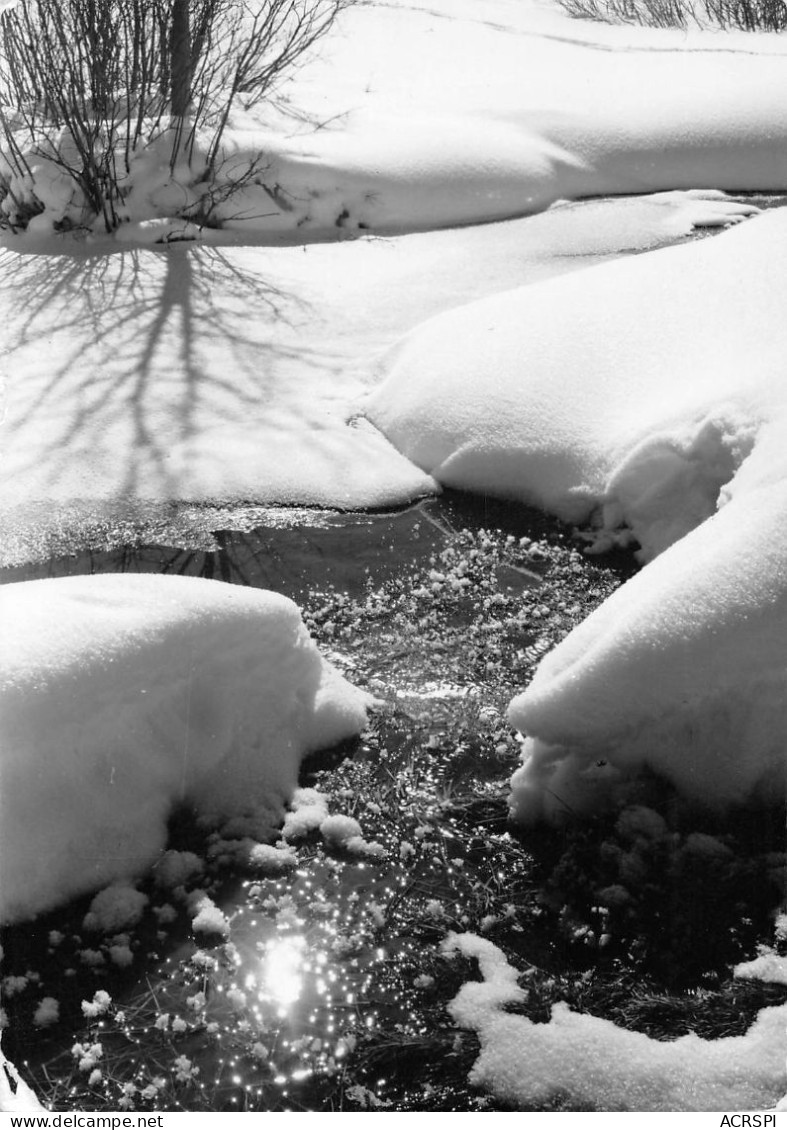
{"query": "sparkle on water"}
[(330, 993), (282, 970)]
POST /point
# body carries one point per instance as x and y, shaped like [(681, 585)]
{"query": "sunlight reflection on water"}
[(282, 969)]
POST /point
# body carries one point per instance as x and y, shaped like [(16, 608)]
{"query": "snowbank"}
[(15, 1095), (646, 395), (618, 121), (591, 1064), (638, 386), (683, 669), (123, 696)]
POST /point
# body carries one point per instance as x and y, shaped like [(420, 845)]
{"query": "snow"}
[(47, 1012), (644, 396), (591, 1064), (308, 813), (115, 908), (272, 860), (768, 966), (308, 808), (648, 377), (222, 373), (176, 868), (176, 374), (433, 146), (123, 696), (209, 374), (641, 396), (337, 830), (15, 1095), (208, 918), (121, 955), (681, 670), (98, 1006), (217, 374), (398, 133)]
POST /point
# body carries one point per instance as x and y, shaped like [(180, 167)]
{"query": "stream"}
[(328, 990)]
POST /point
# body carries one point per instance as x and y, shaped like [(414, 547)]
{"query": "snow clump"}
[(177, 868), (345, 832), (99, 1005), (308, 809), (115, 908), (598, 1066), (208, 918), (46, 1013)]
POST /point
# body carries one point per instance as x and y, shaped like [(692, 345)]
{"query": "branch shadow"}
[(133, 356)]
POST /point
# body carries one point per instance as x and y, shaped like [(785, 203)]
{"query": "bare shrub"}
[(86, 85), (741, 15)]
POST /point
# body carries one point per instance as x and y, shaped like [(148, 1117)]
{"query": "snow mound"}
[(635, 389), (683, 670), (769, 965), (597, 1066), (123, 696), (645, 396)]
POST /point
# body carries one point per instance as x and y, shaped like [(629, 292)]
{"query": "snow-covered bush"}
[(86, 86)]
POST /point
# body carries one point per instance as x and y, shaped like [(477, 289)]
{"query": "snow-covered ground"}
[(470, 110), (124, 696), (478, 111), (229, 373)]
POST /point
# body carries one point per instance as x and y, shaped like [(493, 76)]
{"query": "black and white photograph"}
[(393, 557)]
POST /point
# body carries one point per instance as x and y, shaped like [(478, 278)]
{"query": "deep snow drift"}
[(595, 1065), (647, 395), (124, 696)]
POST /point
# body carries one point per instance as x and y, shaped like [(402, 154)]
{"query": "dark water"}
[(330, 992), (289, 551)]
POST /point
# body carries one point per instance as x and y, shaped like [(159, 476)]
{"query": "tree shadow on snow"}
[(140, 367)]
